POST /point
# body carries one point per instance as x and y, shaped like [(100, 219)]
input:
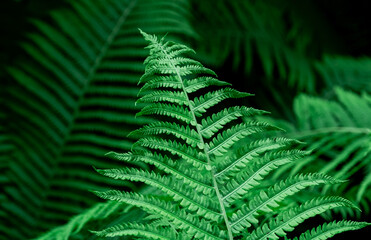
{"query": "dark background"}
[(349, 19)]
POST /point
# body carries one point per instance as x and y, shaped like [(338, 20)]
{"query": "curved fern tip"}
[(354, 206), (98, 170), (141, 32), (110, 153), (148, 37), (342, 180), (95, 192), (97, 233), (357, 208)]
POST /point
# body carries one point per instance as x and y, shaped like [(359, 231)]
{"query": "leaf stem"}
[(205, 148)]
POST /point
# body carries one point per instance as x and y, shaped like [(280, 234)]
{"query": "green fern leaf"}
[(226, 139), (201, 104), (266, 201), (178, 217), (331, 229), (164, 109), (190, 136), (67, 102), (286, 221), (243, 181), (246, 154), (195, 148), (140, 230), (201, 206), (213, 124), (180, 171), (165, 96)]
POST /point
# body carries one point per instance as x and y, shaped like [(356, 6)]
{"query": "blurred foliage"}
[(337, 131), (69, 71), (70, 101)]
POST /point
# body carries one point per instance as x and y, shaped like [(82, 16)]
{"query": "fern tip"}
[(94, 232), (110, 153), (95, 192)]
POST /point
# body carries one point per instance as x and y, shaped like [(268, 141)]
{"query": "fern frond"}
[(164, 96), (286, 221), (336, 129), (178, 217), (223, 141), (251, 177), (160, 82), (195, 148), (213, 124), (180, 171), (328, 230), (247, 153), (200, 205), (267, 201), (187, 134), (190, 155), (243, 37), (346, 72), (164, 109), (67, 102), (140, 230), (198, 83), (190, 86), (79, 225), (202, 103)]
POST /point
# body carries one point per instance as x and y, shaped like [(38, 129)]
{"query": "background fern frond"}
[(245, 36), (346, 72), (66, 108), (329, 230), (337, 131)]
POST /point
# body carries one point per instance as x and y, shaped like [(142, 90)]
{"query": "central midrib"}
[(216, 187)]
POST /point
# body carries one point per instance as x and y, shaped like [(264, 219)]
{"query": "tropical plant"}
[(206, 191)]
